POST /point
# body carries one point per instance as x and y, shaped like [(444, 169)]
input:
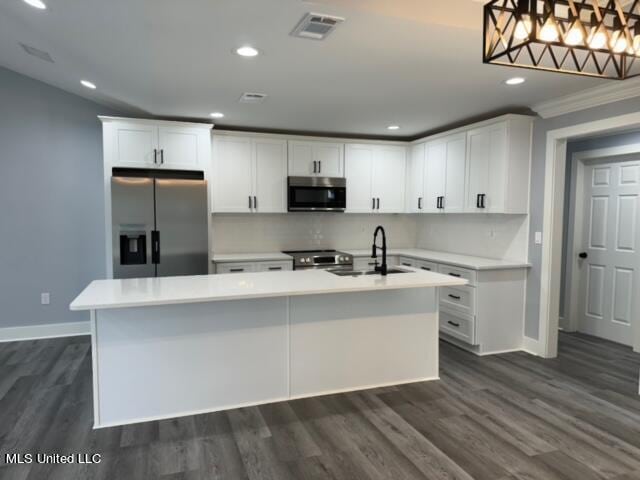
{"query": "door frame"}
[(577, 211), (552, 224)]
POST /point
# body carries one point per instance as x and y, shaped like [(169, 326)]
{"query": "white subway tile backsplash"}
[(492, 236)]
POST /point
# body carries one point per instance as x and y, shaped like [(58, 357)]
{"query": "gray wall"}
[(51, 198), (541, 127)]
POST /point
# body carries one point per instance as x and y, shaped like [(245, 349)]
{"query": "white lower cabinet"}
[(485, 316), (248, 267)]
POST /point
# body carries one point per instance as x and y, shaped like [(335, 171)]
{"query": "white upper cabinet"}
[(359, 160), (270, 175), (375, 178), (150, 144), (415, 179), (389, 172), (444, 175), (249, 174), (499, 159), (435, 172), (179, 147), (316, 159), (455, 177), (134, 144), (232, 174)]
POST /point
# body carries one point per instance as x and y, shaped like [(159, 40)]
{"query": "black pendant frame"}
[(500, 47)]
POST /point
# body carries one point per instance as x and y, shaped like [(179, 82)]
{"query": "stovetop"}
[(319, 258)]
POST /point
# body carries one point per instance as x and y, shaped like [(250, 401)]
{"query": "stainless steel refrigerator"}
[(159, 223)]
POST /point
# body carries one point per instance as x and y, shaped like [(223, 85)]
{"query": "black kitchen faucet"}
[(374, 250)]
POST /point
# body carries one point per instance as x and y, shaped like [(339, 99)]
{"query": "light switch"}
[(45, 298), (538, 239)]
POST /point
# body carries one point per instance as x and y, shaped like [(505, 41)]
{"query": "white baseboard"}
[(52, 330), (532, 346)]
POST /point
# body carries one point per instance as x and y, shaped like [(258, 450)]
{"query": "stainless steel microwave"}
[(317, 194)]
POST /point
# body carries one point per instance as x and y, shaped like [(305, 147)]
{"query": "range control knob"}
[(308, 260), (303, 260)]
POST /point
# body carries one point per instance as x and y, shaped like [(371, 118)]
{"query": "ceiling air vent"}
[(316, 26), (252, 98), (37, 53)]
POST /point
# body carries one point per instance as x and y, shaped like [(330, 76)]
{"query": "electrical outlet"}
[(45, 298), (538, 238)]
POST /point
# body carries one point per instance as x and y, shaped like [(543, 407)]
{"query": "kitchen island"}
[(174, 346)]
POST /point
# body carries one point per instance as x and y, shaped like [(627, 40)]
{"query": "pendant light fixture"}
[(583, 37)]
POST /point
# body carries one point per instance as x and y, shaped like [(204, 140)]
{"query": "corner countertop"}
[(454, 259), (147, 292)]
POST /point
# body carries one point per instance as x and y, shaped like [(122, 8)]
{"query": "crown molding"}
[(592, 97)]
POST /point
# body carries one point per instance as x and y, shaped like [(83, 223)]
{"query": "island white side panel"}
[(347, 341), (174, 360)]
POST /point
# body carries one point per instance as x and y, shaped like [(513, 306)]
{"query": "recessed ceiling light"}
[(217, 115), (393, 127), (247, 51), (88, 84), (515, 81), (36, 4)]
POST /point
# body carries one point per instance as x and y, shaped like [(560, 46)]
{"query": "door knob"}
[(583, 255)]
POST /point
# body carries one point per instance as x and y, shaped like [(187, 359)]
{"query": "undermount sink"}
[(359, 273)]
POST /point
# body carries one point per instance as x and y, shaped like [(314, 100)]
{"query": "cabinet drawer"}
[(428, 266), (461, 299), (274, 266), (458, 325), (469, 275), (407, 262), (235, 267)]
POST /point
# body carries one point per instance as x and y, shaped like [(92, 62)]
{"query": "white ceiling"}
[(415, 63)]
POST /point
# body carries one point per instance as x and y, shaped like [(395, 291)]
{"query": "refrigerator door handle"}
[(155, 247)]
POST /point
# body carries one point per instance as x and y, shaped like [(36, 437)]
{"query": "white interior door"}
[(608, 302)]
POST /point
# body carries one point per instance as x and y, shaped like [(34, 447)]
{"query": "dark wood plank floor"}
[(505, 417)]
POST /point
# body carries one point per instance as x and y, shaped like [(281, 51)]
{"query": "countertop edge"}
[(78, 308)]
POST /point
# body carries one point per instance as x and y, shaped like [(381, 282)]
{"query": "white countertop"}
[(465, 261), (455, 259), (251, 257), (103, 294)]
